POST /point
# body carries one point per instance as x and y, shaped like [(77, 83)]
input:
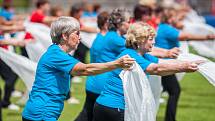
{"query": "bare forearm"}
[(98, 68), (49, 19), (89, 29), (6, 42), (169, 68), (95, 68), (159, 52), (187, 36), (13, 42), (7, 28), (81, 69)]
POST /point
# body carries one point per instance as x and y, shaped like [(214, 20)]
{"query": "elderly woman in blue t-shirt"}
[(110, 104), (52, 81)]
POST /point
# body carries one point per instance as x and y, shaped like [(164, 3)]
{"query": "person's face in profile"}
[(147, 45), (74, 40)]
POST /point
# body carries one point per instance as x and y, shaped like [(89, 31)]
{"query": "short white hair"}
[(63, 25)]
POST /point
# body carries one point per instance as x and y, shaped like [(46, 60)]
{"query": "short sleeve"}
[(171, 33), (143, 62), (64, 62), (118, 44), (151, 58)]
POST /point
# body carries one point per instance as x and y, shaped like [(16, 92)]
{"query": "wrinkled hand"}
[(125, 62), (192, 66), (211, 36), (173, 53)]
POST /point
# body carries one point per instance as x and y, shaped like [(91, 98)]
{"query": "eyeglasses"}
[(77, 33)]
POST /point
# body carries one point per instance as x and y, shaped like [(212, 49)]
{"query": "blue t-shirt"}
[(167, 36), (89, 14), (104, 49), (52, 84), (1, 37), (113, 95), (6, 14)]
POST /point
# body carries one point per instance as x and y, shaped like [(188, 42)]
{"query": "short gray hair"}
[(63, 25)]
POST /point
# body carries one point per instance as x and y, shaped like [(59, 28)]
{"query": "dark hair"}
[(39, 3), (6, 5), (140, 10), (102, 19), (54, 10), (75, 9), (96, 7), (117, 17), (166, 15)]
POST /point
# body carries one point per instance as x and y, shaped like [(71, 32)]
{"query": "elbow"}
[(89, 71), (157, 70), (184, 37), (153, 69)]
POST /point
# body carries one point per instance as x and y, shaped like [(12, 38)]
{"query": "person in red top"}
[(39, 16), (143, 13)]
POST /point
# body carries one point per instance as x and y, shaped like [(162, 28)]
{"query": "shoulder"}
[(151, 58), (132, 53)]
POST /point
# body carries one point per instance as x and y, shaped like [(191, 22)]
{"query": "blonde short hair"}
[(138, 32)]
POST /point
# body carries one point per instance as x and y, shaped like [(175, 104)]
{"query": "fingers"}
[(211, 36), (127, 61), (198, 62), (176, 49), (192, 67), (173, 53)]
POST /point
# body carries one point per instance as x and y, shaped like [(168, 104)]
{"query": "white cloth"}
[(41, 34), (193, 17), (195, 26), (156, 87), (206, 69), (35, 50), (88, 38), (139, 100), (22, 66), (184, 48)]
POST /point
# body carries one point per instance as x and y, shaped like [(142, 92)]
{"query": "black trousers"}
[(103, 113), (0, 107), (81, 52), (10, 78), (87, 112), (172, 86), (24, 52)]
